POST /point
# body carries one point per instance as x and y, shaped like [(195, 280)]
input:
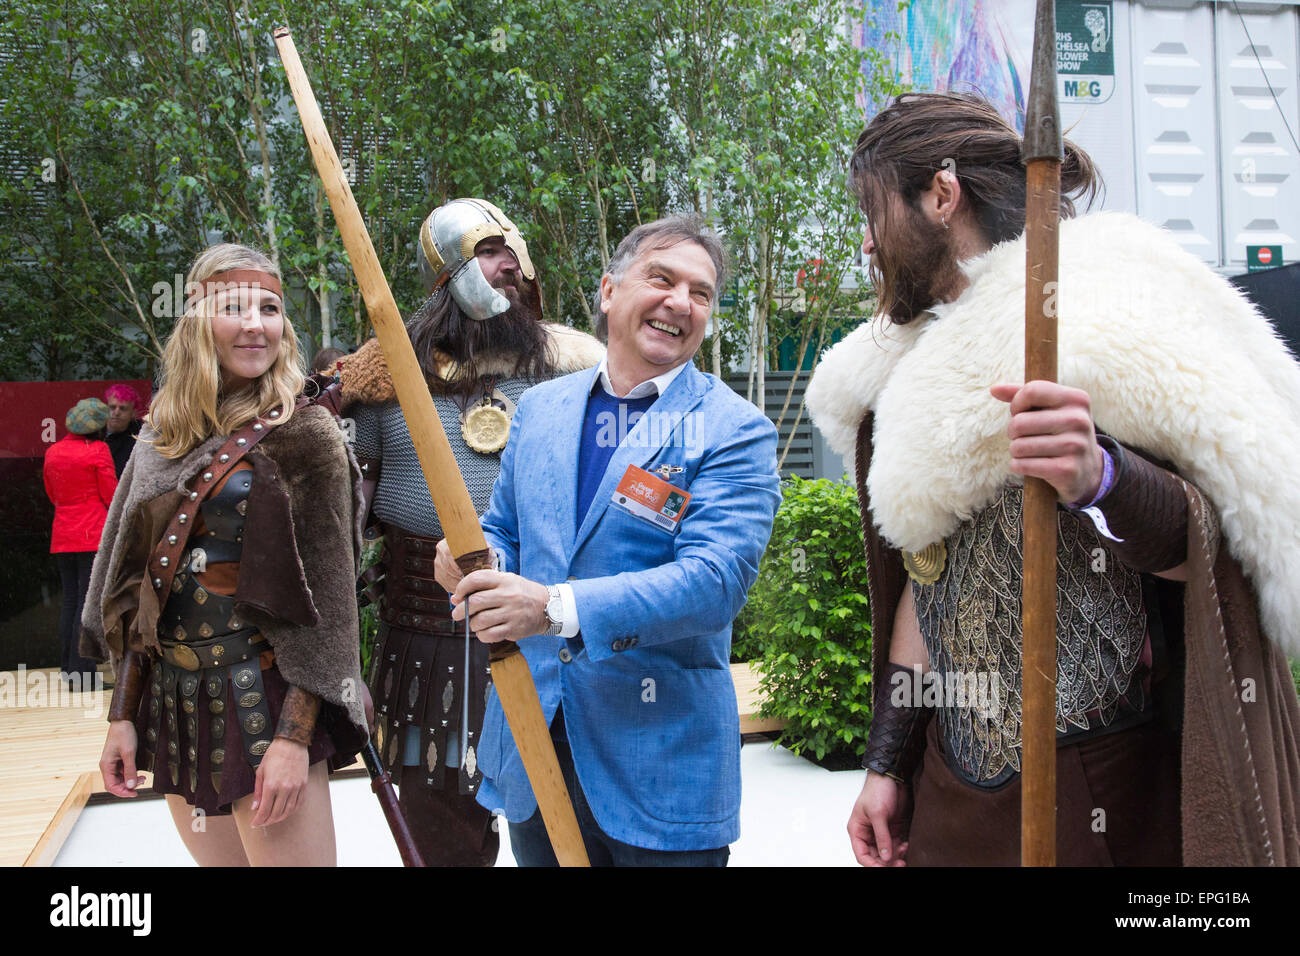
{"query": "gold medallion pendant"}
[(925, 566), (485, 427)]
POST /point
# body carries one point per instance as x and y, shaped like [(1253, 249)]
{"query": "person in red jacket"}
[(80, 480)]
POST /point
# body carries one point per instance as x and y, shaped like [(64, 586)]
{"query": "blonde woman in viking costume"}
[(223, 585), (481, 342), (1172, 441)]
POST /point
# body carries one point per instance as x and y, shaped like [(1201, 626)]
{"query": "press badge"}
[(651, 498)]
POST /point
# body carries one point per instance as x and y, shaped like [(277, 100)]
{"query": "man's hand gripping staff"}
[(510, 674)]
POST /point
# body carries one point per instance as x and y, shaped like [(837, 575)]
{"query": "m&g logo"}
[(1083, 89)]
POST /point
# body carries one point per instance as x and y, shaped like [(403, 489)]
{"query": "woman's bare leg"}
[(306, 838), (211, 840)]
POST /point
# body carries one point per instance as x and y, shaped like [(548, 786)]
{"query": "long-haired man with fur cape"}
[(1173, 441), (481, 342)]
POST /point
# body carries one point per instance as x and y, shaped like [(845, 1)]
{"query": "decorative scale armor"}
[(970, 620)]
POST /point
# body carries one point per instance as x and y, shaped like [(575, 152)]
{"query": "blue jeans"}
[(532, 847)]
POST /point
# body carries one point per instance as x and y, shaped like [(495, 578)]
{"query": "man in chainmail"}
[(481, 342), (1175, 412)]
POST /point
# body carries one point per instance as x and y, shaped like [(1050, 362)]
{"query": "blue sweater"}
[(606, 426)]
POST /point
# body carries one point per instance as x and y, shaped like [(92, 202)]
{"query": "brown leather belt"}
[(413, 600), (218, 652)]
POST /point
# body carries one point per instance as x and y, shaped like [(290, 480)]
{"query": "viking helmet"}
[(447, 240)]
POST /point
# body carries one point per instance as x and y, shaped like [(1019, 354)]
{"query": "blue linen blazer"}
[(649, 704)]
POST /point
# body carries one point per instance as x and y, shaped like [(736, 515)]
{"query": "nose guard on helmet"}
[(447, 241)]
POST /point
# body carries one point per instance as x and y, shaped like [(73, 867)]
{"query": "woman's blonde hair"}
[(190, 406)]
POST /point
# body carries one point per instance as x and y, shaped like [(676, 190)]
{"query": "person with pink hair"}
[(124, 410)]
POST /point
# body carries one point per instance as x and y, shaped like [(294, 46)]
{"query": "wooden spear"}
[(510, 675), (1042, 154)]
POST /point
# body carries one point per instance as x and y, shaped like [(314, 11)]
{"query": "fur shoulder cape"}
[(1175, 360), (366, 379), (301, 548)]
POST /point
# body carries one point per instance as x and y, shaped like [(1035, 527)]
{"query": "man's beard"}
[(515, 338), (916, 269)]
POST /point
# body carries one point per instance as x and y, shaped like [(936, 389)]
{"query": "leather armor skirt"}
[(428, 680)]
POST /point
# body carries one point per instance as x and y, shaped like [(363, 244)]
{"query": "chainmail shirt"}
[(402, 497)]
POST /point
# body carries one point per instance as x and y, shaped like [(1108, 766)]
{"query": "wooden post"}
[(459, 520)]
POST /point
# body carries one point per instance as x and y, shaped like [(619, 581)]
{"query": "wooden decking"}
[(49, 757)]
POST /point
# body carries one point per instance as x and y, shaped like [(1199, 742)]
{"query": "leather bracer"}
[(298, 716), (1146, 508), (132, 675), (896, 740)]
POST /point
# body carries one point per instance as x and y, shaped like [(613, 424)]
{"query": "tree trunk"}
[(323, 272)]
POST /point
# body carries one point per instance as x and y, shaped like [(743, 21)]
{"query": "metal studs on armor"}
[(217, 757), (205, 630), (242, 507), (179, 633), (216, 705), (234, 623), (259, 748), (251, 699), (258, 426), (431, 756), (172, 539), (187, 705), (255, 723), (207, 476), (218, 651), (413, 692), (214, 686), (194, 496), (164, 561), (448, 695), (178, 583), (218, 727), (275, 413), (172, 748), (224, 458), (157, 583), (241, 442), (151, 735), (244, 678), (200, 596), (182, 518)]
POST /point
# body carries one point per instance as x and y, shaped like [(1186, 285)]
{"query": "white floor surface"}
[(792, 813)]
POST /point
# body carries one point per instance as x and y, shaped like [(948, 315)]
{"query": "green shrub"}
[(369, 615), (808, 621)]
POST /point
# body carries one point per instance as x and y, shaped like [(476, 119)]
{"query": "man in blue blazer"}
[(632, 508)]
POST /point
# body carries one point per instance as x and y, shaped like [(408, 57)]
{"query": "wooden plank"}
[(52, 839)]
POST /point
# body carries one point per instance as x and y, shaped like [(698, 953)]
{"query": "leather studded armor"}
[(207, 647)]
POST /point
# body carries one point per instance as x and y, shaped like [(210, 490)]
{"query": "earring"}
[(945, 223)]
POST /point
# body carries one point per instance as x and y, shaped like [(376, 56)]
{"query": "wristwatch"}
[(554, 612)]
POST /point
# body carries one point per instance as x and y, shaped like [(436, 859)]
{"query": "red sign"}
[(32, 413), (1265, 255)]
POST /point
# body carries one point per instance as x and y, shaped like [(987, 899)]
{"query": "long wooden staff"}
[(1042, 154), (510, 675)]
